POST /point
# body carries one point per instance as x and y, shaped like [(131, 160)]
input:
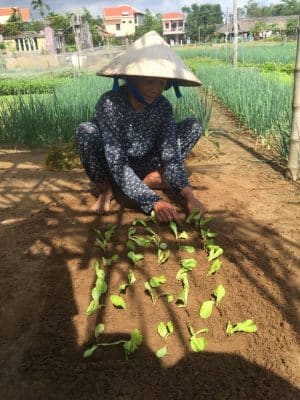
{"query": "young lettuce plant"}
[(131, 280), (99, 289), (206, 307), (246, 326), (135, 257), (198, 344), (155, 282), (183, 295), (164, 331), (129, 346), (102, 240), (174, 229), (107, 262), (117, 301)]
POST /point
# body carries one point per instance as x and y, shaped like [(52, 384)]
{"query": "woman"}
[(133, 140)]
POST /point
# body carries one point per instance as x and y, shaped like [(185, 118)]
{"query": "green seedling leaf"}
[(130, 245), (131, 345), (162, 256), (207, 234), (96, 293), (123, 287), (219, 293), (206, 309), (140, 241), (109, 261), (246, 326), (208, 244), (188, 264), (170, 327), (162, 352), (183, 297), (131, 277), (156, 281), (183, 235), (139, 222), (214, 267), (148, 289), (99, 329), (204, 330), (214, 252), (187, 249), (118, 301), (198, 344), (168, 296), (90, 351), (109, 232), (192, 331), (151, 231), (204, 221), (163, 246), (131, 231), (101, 285), (194, 216), (162, 330), (135, 257), (181, 272), (174, 229), (153, 217), (91, 308)]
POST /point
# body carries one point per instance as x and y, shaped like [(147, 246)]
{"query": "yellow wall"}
[(127, 26), (10, 45)]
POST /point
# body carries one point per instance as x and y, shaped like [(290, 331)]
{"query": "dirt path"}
[(47, 247)]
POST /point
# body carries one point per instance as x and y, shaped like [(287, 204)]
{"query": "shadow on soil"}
[(40, 358)]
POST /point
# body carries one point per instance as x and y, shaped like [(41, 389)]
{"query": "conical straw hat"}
[(150, 56)]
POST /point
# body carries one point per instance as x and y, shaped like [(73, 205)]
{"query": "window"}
[(167, 25), (118, 27), (130, 22), (123, 22)]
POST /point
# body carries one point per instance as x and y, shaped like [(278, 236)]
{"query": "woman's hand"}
[(165, 211)]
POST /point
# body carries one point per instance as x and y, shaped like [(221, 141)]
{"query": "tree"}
[(286, 7), (150, 23), (40, 6), (291, 27), (201, 20)]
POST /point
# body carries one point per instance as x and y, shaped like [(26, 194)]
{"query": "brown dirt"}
[(47, 249)]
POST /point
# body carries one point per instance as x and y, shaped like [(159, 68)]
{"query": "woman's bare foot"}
[(102, 204), (156, 180)]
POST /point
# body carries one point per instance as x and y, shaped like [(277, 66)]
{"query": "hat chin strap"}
[(134, 91)]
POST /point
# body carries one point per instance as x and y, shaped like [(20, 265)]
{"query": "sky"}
[(156, 6)]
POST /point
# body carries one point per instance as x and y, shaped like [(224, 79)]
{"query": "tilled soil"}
[(47, 247)]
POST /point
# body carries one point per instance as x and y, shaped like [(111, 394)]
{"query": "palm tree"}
[(40, 6)]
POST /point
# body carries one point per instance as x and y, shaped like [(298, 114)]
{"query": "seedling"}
[(154, 283), (197, 344), (246, 326), (183, 296), (206, 309), (129, 345), (131, 279), (99, 289), (99, 330), (215, 266), (195, 217), (214, 252), (174, 229), (107, 262), (102, 240), (188, 264), (168, 296), (162, 352), (117, 301), (187, 249), (219, 293), (165, 330), (135, 257), (207, 234), (139, 222)]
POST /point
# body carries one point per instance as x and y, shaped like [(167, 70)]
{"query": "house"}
[(173, 27), (6, 12), (246, 25), (121, 21)]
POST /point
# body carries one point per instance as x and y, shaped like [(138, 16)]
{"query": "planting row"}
[(150, 237)]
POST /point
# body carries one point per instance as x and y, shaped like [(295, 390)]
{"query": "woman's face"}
[(149, 88)]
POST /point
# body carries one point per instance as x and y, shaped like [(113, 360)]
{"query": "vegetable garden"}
[(120, 306)]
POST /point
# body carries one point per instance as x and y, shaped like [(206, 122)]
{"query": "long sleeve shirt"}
[(129, 137)]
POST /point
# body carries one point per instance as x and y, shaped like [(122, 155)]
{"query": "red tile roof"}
[(120, 11), (8, 11), (173, 15)]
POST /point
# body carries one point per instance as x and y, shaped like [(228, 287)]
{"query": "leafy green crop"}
[(219, 293), (107, 262), (156, 281), (215, 266), (162, 352), (99, 289), (165, 330), (206, 309), (135, 257), (103, 239), (245, 326), (174, 229), (183, 295), (99, 330), (117, 301), (131, 280), (187, 249), (197, 344)]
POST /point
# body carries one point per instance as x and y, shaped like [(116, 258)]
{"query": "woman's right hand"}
[(165, 211)]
